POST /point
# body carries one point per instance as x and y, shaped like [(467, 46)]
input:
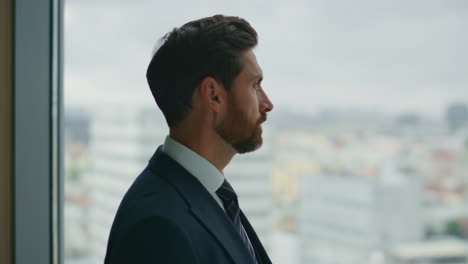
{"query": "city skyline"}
[(299, 172)]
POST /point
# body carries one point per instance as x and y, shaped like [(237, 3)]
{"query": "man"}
[(205, 79)]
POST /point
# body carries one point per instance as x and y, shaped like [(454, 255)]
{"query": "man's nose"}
[(266, 104)]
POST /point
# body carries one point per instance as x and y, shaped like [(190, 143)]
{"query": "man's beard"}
[(239, 132)]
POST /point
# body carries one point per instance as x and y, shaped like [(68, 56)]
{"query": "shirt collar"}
[(206, 173)]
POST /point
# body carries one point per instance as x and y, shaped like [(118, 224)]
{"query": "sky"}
[(393, 56)]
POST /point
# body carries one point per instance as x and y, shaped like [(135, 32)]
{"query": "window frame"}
[(37, 114)]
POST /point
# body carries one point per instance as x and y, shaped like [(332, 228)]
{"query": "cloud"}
[(391, 54)]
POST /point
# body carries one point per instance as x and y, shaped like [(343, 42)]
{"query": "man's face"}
[(247, 108)]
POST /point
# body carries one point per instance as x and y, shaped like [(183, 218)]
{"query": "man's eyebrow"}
[(258, 78)]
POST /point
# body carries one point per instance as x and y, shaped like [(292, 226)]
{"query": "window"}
[(365, 154)]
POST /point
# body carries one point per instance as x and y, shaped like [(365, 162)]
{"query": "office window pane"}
[(365, 155)]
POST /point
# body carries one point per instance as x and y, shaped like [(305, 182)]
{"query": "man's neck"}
[(208, 145)]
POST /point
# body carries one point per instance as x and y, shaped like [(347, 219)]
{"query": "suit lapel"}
[(202, 206), (262, 256), (223, 230)]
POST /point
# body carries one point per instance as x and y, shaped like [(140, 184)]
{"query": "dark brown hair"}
[(209, 46)]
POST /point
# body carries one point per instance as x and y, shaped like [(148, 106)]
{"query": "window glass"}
[(365, 155)]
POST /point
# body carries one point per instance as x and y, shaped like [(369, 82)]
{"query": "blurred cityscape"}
[(331, 187)]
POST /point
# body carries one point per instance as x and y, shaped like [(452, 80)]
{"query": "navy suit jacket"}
[(167, 216)]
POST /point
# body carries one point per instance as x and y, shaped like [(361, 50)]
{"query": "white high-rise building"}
[(123, 140), (350, 219)]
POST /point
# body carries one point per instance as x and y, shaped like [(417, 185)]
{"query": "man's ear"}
[(212, 93)]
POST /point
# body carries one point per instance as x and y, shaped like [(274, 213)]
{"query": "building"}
[(349, 219), (457, 116), (122, 140), (448, 251)]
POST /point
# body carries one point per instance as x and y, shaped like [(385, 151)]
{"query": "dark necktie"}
[(231, 205)]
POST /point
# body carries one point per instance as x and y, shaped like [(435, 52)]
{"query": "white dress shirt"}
[(205, 172)]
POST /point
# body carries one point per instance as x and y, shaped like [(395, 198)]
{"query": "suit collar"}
[(202, 206)]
